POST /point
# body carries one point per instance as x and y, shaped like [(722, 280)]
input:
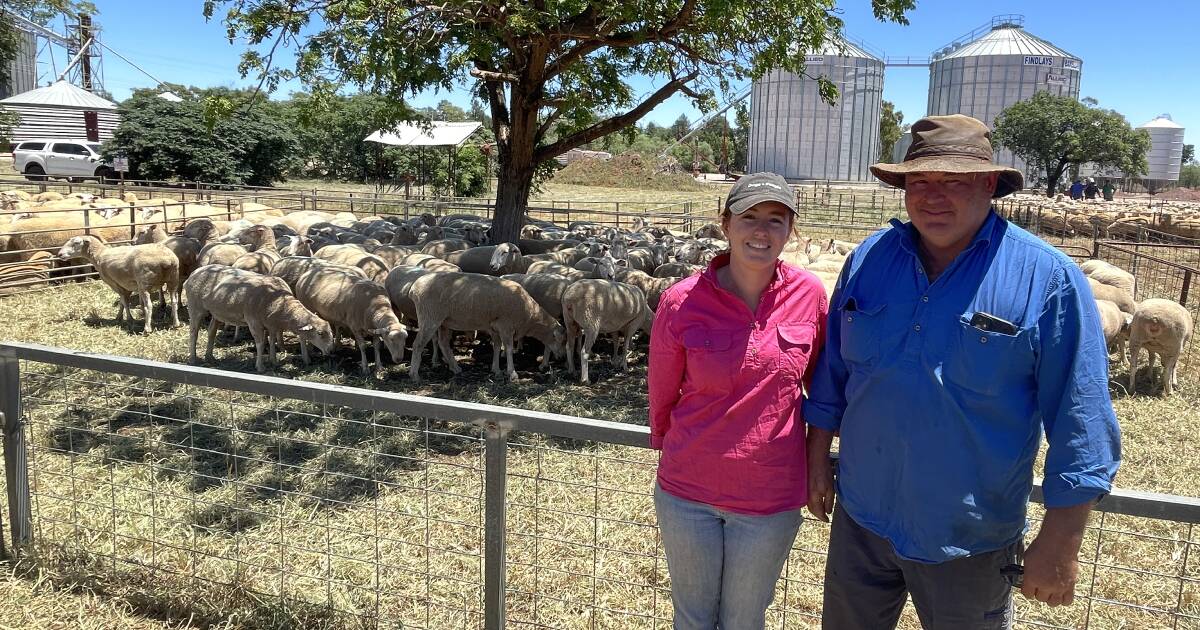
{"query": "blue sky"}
[(1137, 59)]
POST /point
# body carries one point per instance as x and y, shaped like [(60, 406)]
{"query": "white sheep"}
[(1116, 295), (1107, 273), (262, 255), (140, 268), (263, 304), (360, 305), (591, 307), (1115, 324), (1162, 327), (468, 301), (492, 260)]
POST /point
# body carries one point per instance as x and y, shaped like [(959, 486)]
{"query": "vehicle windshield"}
[(95, 147)]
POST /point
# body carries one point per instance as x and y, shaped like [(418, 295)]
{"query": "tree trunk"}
[(512, 198)]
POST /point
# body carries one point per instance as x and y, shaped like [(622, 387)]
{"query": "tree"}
[(547, 69), (1189, 176), (165, 140), (1189, 154), (1056, 133), (37, 11), (890, 130)]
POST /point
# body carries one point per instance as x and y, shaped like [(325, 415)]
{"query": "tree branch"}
[(488, 75), (615, 123)]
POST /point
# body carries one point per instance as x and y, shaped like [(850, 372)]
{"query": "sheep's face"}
[(149, 212), (476, 234), (504, 256), (74, 248), (394, 338), (108, 212), (605, 269), (558, 348), (147, 234), (318, 334)]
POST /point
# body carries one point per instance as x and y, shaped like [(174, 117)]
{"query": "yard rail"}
[(343, 506)]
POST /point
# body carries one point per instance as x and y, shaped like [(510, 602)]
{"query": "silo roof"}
[(1008, 40), (847, 49), (61, 94), (1162, 122)]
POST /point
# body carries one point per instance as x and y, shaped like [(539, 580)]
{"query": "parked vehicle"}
[(74, 160)]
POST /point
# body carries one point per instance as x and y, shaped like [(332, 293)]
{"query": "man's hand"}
[(820, 473), (1052, 559)]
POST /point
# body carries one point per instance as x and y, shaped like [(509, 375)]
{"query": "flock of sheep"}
[(311, 274), (1118, 219)]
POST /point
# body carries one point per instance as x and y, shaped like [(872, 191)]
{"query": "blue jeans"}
[(723, 565)]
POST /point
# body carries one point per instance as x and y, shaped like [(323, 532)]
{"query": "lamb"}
[(467, 301), (1107, 273), (263, 304), (152, 233), (132, 268), (1115, 324), (1162, 327), (591, 307), (1120, 297), (360, 305)]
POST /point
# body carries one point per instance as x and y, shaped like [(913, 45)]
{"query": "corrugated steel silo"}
[(22, 72), (998, 65), (796, 134), (1166, 148)]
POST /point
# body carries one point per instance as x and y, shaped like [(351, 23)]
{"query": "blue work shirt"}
[(941, 421)]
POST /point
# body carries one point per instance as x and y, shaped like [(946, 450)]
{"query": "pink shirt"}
[(725, 388)]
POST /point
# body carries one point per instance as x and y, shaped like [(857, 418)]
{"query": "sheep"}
[(187, 250), (443, 247), (591, 307), (263, 255), (28, 274), (493, 260), (355, 303), (152, 233), (651, 287), (263, 304), (1107, 273), (46, 196), (676, 270), (1120, 297), (374, 266), (432, 263), (290, 268), (1115, 324), (13, 248), (467, 301), (220, 254), (294, 246), (52, 232), (132, 268), (393, 254), (545, 288), (1162, 327), (544, 246)]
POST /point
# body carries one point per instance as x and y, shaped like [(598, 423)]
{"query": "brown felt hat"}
[(950, 144)]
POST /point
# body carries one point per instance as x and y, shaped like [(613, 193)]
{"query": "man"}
[(1091, 190), (952, 342), (1109, 190), (1077, 190)]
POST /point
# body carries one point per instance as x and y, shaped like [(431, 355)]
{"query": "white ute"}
[(74, 160)]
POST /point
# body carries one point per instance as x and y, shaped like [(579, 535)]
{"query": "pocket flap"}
[(797, 334), (701, 339)]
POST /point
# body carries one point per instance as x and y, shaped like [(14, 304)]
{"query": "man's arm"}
[(823, 408), (820, 473), (1081, 430)]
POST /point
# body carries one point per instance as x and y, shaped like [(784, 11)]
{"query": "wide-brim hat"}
[(950, 144)]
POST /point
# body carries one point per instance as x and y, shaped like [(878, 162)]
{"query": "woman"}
[(729, 352)]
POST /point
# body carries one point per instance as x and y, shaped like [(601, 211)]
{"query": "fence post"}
[(495, 457), (1187, 285), (16, 469)]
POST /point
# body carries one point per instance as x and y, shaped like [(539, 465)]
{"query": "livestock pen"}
[(294, 504)]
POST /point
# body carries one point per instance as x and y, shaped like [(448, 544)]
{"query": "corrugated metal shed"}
[(57, 111), (22, 72)]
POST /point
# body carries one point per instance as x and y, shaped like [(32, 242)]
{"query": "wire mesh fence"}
[(300, 504)]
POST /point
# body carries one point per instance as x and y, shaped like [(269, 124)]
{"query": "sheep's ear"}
[(306, 328)]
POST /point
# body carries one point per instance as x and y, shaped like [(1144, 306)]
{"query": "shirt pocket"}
[(795, 349), (862, 332), (712, 360), (988, 362)]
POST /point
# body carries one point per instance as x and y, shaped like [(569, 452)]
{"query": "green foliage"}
[(38, 11), (890, 130), (1057, 133), (8, 120), (1189, 154), (1189, 176), (165, 140), (554, 74)]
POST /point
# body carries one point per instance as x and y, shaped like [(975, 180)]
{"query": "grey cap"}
[(755, 188)]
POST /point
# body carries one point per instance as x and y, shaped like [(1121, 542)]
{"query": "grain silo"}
[(796, 134), (22, 70), (996, 65), (1166, 149)]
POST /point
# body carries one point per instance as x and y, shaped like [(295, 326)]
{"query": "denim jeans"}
[(723, 565)]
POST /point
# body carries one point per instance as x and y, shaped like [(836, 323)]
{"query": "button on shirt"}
[(940, 421), (725, 386)]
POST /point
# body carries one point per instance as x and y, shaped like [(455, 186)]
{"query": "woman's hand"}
[(820, 473)]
